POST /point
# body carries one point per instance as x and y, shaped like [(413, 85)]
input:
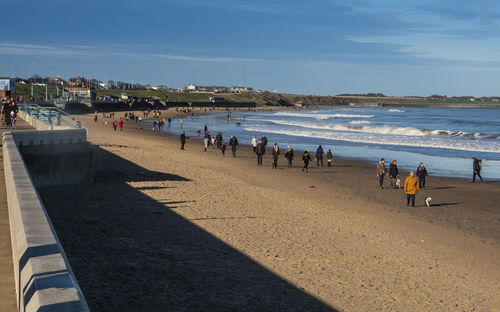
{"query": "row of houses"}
[(217, 89)]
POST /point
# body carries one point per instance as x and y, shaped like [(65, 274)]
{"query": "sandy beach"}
[(168, 230)]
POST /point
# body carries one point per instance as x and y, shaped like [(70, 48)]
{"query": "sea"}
[(444, 139)]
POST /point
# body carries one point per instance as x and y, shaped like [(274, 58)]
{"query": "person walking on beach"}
[(205, 129), (421, 175), (264, 140), (218, 139), (411, 188), (276, 155), (381, 171), (205, 143), (476, 166), (289, 156), (120, 124), (183, 139), (223, 148), (115, 124), (181, 121), (319, 156), (233, 142), (393, 173), (254, 144), (329, 157), (169, 121), (260, 152), (306, 158)]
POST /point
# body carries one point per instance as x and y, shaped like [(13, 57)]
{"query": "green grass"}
[(177, 96), (24, 90)]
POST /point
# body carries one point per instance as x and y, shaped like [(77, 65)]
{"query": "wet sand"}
[(164, 229)]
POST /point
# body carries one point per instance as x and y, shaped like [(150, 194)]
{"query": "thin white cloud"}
[(79, 51), (204, 59), (434, 46)]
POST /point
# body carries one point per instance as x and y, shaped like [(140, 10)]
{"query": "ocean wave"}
[(469, 135), (415, 141), (340, 127), (359, 122), (397, 110), (322, 116)]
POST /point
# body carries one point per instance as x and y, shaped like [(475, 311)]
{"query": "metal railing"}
[(51, 115)]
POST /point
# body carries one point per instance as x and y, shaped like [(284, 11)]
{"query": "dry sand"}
[(168, 230)]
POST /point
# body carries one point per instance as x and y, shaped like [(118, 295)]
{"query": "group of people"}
[(8, 112), (416, 179), (412, 184)]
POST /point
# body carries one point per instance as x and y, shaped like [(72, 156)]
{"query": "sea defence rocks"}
[(43, 276)]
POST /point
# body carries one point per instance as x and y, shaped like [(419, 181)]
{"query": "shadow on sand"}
[(130, 252)]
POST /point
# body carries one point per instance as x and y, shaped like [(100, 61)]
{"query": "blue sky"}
[(320, 47)]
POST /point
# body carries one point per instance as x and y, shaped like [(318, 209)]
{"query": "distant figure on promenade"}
[(393, 173), (411, 188), (306, 158), (260, 150), (276, 155), (218, 139), (233, 142), (329, 157), (476, 166), (183, 139), (319, 155), (120, 124), (115, 124), (254, 144), (223, 148), (13, 119), (289, 156), (422, 175), (381, 171)]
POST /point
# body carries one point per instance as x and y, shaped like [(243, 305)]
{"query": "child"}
[(223, 148), (329, 157), (205, 142)]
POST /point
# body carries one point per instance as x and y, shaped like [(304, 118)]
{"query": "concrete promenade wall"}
[(43, 276)]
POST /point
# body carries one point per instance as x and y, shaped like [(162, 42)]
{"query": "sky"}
[(323, 47)]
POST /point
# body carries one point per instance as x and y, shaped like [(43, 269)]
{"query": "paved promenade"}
[(7, 286)]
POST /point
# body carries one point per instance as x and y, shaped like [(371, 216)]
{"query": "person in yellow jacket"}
[(411, 188)]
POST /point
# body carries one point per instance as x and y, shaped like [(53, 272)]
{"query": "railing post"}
[(50, 116)]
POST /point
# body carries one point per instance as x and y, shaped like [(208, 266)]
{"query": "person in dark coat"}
[(223, 148), (319, 156), (381, 171), (183, 139), (422, 175), (264, 140), (233, 142), (329, 157), (393, 173), (276, 155), (476, 166), (306, 158), (218, 139), (260, 150), (289, 156)]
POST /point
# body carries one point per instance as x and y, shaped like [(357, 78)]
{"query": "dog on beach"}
[(428, 200), (398, 182)]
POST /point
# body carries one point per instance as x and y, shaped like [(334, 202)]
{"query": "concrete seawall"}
[(44, 279)]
